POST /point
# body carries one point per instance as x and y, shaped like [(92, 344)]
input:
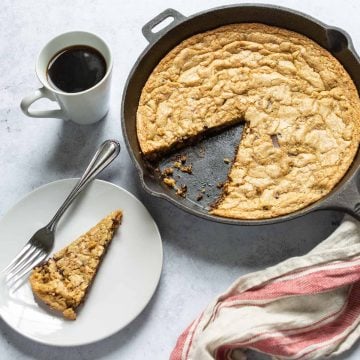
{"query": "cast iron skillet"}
[(344, 197)]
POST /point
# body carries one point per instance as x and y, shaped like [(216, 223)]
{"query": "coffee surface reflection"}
[(76, 68)]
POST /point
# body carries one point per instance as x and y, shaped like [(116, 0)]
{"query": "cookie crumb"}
[(169, 182), (180, 160), (186, 169), (183, 159), (181, 191), (227, 161), (199, 197), (167, 172), (220, 185)]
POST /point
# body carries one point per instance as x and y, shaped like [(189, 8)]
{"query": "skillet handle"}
[(147, 29), (347, 200)]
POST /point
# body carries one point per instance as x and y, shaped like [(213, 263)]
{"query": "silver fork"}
[(41, 243)]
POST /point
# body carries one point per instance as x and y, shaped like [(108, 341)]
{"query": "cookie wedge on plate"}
[(62, 281)]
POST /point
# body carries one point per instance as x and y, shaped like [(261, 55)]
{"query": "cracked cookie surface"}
[(300, 107), (63, 281)]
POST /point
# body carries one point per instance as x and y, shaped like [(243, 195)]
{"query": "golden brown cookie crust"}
[(289, 91)]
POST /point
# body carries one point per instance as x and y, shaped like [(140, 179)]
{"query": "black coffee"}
[(76, 68)]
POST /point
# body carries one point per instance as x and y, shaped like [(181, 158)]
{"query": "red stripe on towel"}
[(292, 344), (317, 325), (280, 345), (313, 283), (176, 354)]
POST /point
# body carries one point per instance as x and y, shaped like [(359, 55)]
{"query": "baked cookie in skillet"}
[(300, 107)]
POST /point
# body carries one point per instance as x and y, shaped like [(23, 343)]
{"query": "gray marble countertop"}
[(201, 259)]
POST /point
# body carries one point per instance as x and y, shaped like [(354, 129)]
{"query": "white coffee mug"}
[(83, 107)]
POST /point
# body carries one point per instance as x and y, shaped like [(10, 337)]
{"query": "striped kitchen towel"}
[(306, 307)]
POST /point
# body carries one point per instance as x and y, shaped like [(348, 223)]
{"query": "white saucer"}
[(127, 277)]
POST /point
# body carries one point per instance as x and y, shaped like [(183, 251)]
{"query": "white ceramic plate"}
[(127, 277)]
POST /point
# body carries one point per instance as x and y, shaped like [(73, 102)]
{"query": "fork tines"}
[(23, 263)]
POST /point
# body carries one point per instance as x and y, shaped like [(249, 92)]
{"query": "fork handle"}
[(106, 153)]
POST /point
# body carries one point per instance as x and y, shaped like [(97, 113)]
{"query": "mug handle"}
[(39, 94)]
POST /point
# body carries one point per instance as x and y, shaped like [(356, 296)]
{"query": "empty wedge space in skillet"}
[(197, 171), (301, 109)]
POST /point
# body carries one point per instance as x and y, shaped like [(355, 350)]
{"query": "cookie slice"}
[(63, 281)]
